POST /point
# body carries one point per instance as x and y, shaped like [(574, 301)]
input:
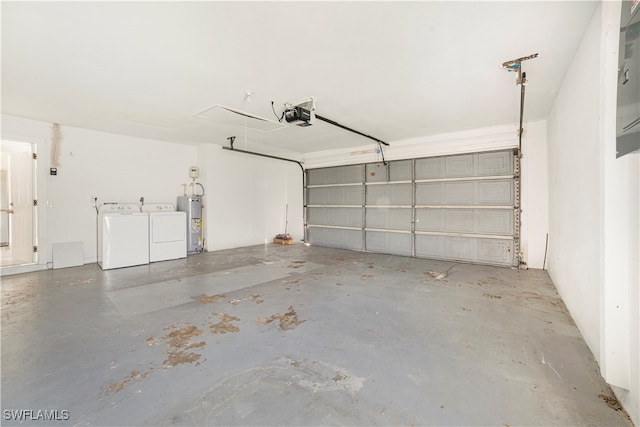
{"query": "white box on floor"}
[(67, 254)]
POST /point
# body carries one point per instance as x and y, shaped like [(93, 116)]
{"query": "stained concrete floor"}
[(295, 335)]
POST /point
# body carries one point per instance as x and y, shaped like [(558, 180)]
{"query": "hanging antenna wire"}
[(274, 112)]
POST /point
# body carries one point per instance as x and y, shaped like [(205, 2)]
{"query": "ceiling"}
[(393, 70)]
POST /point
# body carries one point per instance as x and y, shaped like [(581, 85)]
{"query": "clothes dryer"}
[(167, 232)]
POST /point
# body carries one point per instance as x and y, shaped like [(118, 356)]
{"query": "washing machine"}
[(123, 236), (167, 232)]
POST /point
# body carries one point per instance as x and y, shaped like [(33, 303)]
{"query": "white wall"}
[(247, 198), (112, 167), (574, 188), (534, 194), (533, 165), (620, 274), (593, 210)]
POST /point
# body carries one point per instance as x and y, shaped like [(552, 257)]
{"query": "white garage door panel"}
[(336, 237), (465, 193), (466, 165), (459, 166), (495, 193), (387, 194), (430, 246), (376, 172), (499, 222), (389, 218), (476, 221), (351, 195), (461, 248), (430, 194), (389, 243), (460, 193), (398, 171), (431, 168), (460, 220), (346, 217), (336, 175), (430, 219), (468, 249), (493, 251), (458, 208), (495, 164)]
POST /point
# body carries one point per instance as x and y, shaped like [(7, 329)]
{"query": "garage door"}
[(455, 208)]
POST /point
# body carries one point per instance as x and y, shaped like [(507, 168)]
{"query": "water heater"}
[(192, 205)]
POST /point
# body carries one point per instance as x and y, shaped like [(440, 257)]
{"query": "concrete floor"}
[(295, 335)]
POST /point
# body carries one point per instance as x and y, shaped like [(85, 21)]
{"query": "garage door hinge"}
[(35, 249), (35, 202), (35, 156)]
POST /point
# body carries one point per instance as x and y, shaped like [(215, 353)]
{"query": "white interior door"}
[(18, 211)]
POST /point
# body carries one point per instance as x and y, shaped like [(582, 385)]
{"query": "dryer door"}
[(168, 236)]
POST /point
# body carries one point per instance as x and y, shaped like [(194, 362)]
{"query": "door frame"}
[(11, 268)]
